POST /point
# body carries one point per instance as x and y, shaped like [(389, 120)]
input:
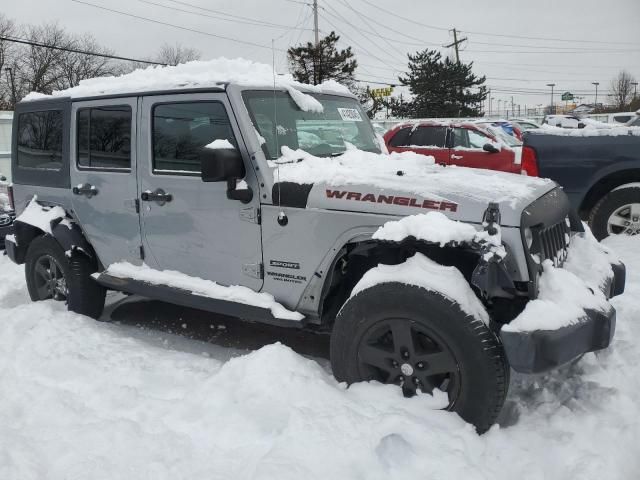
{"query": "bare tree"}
[(41, 65), (7, 29), (622, 89), (175, 54), (75, 67)]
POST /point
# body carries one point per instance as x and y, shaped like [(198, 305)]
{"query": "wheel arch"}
[(607, 182), (359, 255), (67, 233)]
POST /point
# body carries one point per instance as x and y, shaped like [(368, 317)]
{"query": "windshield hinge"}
[(250, 214), (255, 270)]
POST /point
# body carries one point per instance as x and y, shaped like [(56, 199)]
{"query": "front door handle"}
[(457, 157), (158, 195), (85, 189)]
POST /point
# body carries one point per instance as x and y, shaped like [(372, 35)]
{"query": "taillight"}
[(529, 162), (10, 195)]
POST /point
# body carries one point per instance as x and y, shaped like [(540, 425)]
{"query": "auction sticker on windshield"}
[(350, 114)]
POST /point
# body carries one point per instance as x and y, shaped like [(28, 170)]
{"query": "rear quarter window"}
[(39, 140), (40, 143)]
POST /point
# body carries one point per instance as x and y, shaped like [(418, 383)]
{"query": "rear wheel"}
[(420, 341), (51, 274), (617, 213)]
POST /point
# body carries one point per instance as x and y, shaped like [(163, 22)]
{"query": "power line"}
[(240, 17), (435, 27), (235, 19), (166, 24), (75, 50)]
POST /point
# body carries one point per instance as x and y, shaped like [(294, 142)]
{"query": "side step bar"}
[(186, 298)]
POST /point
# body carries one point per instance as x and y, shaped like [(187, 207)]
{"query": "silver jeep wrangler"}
[(233, 198)]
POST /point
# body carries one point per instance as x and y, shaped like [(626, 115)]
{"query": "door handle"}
[(457, 157), (158, 195), (85, 189)]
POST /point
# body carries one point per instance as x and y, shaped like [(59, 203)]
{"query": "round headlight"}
[(528, 237)]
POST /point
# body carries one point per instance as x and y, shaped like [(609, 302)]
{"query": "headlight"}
[(528, 237)]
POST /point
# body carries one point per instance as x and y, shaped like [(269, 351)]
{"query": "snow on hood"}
[(409, 172), (196, 74)]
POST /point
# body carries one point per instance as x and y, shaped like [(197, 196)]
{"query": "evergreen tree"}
[(441, 88), (315, 64)]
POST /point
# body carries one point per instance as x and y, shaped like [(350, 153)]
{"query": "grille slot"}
[(553, 243)]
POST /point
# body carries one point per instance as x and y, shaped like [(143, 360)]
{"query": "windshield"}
[(279, 121)]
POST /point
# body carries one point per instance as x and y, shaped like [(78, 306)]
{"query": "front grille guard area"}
[(552, 242)]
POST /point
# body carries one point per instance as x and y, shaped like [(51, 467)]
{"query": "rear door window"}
[(429, 137), (40, 140), (104, 138)]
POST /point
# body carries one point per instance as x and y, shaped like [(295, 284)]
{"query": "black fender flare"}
[(66, 232), (71, 238)]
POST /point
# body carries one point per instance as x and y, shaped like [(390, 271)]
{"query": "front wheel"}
[(50, 274), (421, 340)]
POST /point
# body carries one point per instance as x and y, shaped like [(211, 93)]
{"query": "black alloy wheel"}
[(410, 355), (49, 279)]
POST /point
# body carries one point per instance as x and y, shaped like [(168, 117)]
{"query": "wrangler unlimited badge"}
[(392, 200)]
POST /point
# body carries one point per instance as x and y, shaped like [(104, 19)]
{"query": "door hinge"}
[(250, 214), (255, 270), (141, 252)]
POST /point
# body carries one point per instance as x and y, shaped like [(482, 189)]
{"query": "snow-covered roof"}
[(196, 74)]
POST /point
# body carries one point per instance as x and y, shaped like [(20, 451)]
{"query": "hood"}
[(405, 183)]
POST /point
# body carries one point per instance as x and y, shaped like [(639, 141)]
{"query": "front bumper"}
[(542, 350)]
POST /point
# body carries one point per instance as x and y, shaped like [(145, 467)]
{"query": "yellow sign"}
[(382, 92)]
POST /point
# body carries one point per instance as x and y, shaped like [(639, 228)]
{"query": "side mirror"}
[(487, 147), (225, 165), (221, 164)]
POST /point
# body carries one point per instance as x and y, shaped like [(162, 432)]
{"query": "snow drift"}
[(86, 399)]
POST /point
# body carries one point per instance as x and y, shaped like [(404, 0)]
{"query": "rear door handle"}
[(457, 157), (158, 195), (85, 189)]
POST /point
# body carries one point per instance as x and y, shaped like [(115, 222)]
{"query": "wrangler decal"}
[(393, 200)]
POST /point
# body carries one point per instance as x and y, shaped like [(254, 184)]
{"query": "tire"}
[(478, 378), (611, 207), (80, 292)]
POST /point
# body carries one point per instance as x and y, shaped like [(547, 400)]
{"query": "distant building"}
[(5, 143)]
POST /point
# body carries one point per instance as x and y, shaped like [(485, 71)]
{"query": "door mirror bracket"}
[(245, 195), (487, 147)]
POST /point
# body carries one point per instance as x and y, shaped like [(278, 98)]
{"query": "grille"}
[(553, 243)]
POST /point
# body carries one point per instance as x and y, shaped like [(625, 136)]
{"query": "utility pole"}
[(455, 44), (635, 89), (489, 102), (513, 109), (315, 20), (553, 110), (595, 103)]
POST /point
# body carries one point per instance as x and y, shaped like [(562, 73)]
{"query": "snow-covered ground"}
[(81, 399)]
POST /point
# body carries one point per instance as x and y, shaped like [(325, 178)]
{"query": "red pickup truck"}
[(464, 144)]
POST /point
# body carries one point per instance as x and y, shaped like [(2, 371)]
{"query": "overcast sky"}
[(593, 39)]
